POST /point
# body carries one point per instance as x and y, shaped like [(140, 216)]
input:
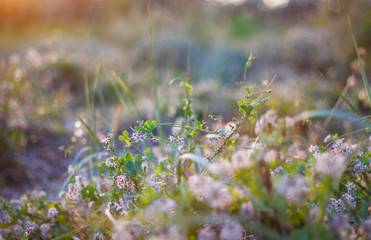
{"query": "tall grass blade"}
[(119, 95), (342, 96), (91, 133), (128, 93), (364, 77), (154, 80)]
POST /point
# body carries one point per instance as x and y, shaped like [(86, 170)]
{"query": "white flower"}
[(206, 233), (330, 165), (240, 159), (231, 230), (159, 207), (270, 156), (294, 188), (111, 162), (222, 168), (74, 191), (156, 183), (217, 195), (197, 184), (121, 181), (127, 230), (30, 228), (327, 139), (4, 217), (99, 236), (52, 212), (44, 228), (247, 211)]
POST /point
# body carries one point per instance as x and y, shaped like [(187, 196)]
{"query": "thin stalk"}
[(154, 81)]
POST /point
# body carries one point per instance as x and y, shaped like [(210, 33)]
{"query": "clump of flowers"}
[(150, 186)]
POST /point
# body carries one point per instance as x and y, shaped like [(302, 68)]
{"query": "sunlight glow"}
[(276, 3)]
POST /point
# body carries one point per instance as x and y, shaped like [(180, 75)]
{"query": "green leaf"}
[(129, 157), (130, 169)]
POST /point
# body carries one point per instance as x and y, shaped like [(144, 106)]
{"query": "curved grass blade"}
[(195, 158), (67, 235), (336, 114), (365, 207)]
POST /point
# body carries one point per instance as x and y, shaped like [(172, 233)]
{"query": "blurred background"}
[(54, 52)]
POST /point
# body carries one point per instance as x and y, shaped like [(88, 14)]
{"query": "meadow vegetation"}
[(253, 165)]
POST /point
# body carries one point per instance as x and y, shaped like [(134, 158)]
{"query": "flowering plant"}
[(205, 181)]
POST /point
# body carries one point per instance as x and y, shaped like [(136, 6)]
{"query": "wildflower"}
[(277, 170), (160, 207), (197, 184), (270, 156), (294, 188), (289, 122), (138, 136), (99, 236), (181, 149), (340, 225), (44, 228), (127, 230), (52, 212), (336, 206), (330, 165), (217, 195), (34, 57), (176, 139), (297, 152), (351, 187), (106, 140), (110, 148), (111, 162), (71, 169), (359, 168), (170, 232), (30, 228), (119, 206), (338, 147), (4, 217), (327, 139), (247, 211), (231, 230), (74, 191), (314, 150), (349, 200), (222, 168), (206, 233), (365, 229), (268, 121), (156, 183), (121, 181), (240, 159)]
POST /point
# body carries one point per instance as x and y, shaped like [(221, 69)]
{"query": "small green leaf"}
[(129, 157)]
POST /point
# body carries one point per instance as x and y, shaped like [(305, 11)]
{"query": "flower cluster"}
[(139, 136), (341, 205), (176, 139)]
